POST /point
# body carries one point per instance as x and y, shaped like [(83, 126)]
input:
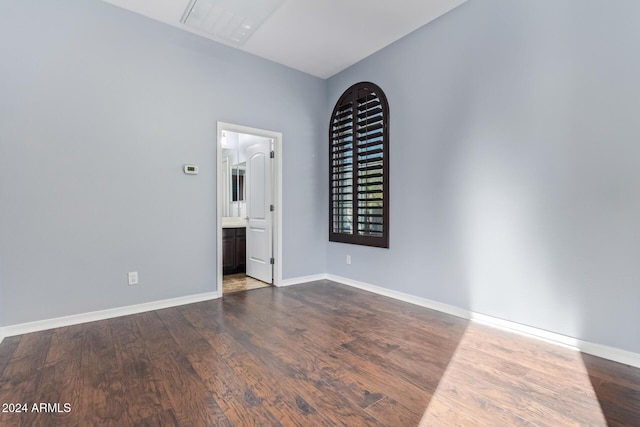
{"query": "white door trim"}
[(276, 195)]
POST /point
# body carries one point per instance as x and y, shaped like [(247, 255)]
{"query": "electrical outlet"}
[(348, 259), (133, 278)]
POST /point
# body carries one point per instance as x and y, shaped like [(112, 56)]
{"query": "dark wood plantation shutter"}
[(358, 170)]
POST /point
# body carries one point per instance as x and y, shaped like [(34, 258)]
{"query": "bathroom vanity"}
[(234, 247)]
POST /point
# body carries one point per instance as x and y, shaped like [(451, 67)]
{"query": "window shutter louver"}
[(358, 177)]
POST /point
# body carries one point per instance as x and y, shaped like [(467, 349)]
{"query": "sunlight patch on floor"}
[(505, 379)]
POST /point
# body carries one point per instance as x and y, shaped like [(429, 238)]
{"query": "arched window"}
[(359, 167)]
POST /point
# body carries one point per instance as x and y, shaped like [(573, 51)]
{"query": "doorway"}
[(249, 197)]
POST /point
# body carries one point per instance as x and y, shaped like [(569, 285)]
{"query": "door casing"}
[(276, 196)]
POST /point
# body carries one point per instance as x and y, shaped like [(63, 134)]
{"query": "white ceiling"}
[(309, 35)]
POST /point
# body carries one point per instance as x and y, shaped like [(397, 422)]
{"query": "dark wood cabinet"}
[(234, 250)]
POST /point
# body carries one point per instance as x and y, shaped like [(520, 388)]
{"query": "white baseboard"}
[(41, 325), (600, 350), (423, 302), (302, 279)]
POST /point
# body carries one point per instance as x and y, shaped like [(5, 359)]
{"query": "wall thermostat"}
[(191, 169)]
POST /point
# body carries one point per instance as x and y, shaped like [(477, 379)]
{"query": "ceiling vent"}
[(232, 21)]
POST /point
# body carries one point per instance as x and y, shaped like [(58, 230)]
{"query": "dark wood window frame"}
[(359, 167)]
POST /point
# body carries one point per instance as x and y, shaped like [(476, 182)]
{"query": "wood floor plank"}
[(477, 399), (540, 408), (550, 360), (59, 385), (102, 384), (20, 377), (300, 373), (443, 411), (325, 367), (412, 316), (373, 349), (322, 366), (181, 386), (565, 399), (360, 375), (164, 418), (29, 355), (603, 370), (7, 349), (360, 381), (321, 354), (414, 399), (141, 389), (233, 394), (232, 363), (621, 404), (58, 381), (390, 412)]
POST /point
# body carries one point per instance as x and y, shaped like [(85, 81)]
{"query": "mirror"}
[(237, 183), (234, 166)]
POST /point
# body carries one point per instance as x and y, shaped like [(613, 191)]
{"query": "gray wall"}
[(515, 163), (99, 110)]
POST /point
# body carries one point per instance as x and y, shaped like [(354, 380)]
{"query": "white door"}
[(259, 215)]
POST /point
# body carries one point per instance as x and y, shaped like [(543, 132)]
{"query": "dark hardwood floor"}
[(315, 354)]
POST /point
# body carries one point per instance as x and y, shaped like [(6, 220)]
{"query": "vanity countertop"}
[(233, 222)]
